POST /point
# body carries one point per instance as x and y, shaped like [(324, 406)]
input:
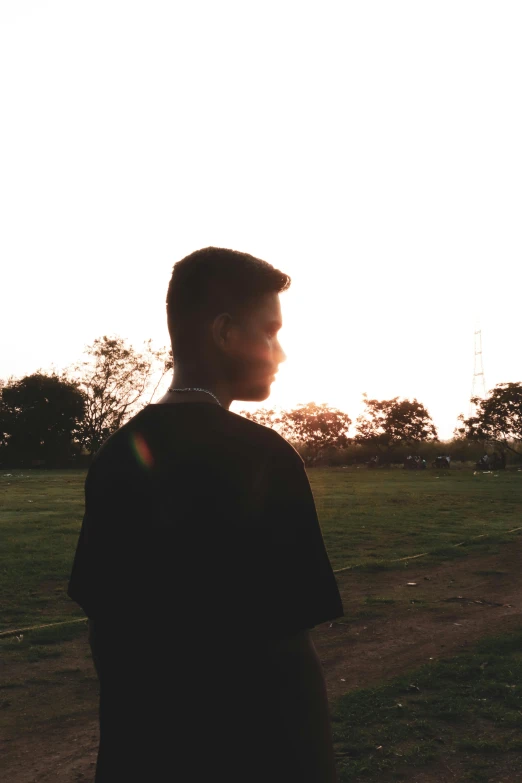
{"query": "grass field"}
[(366, 517), (464, 711), (371, 515)]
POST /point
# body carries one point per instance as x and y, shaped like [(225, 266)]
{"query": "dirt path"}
[(449, 607), (389, 627)]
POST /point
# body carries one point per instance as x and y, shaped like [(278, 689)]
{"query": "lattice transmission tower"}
[(478, 386)]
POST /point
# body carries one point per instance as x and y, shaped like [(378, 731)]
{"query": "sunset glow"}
[(371, 151)]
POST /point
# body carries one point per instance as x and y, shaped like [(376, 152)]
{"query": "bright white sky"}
[(372, 150)]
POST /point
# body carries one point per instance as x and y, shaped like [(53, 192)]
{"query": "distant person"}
[(201, 564)]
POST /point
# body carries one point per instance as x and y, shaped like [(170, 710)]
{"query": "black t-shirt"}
[(200, 540)]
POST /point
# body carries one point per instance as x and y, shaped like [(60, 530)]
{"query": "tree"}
[(498, 418), (268, 418), (318, 427), (166, 360), (40, 420), (388, 423), (114, 379)]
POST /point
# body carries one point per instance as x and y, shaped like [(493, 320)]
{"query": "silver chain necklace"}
[(198, 390)]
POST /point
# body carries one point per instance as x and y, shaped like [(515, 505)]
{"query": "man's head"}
[(223, 315)]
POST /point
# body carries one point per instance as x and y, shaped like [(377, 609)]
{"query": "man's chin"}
[(258, 394)]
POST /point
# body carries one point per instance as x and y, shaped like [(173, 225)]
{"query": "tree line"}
[(57, 420), (60, 420)]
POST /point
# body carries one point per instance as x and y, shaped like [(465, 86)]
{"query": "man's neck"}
[(190, 380)]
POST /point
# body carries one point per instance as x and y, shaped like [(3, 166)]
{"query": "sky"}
[(371, 150)]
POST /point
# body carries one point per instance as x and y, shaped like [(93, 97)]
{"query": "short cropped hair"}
[(211, 281)]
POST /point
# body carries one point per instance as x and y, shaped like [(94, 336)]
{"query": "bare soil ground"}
[(389, 627)]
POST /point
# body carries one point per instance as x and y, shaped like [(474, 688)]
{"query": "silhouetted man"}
[(200, 562)]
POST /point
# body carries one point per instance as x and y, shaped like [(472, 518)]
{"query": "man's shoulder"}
[(264, 437), (120, 447), (135, 442)]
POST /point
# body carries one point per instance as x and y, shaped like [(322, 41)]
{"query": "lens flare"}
[(142, 450)]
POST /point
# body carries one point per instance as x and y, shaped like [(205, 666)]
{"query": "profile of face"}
[(250, 348)]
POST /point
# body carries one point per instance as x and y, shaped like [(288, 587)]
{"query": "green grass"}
[(461, 711), (40, 518), (368, 518), (384, 515)]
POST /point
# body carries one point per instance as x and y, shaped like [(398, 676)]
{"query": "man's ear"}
[(222, 328)]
